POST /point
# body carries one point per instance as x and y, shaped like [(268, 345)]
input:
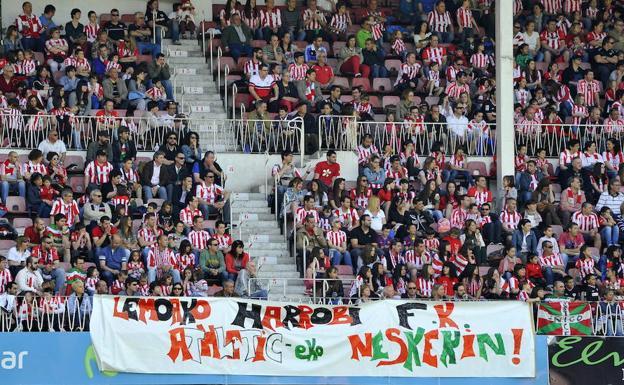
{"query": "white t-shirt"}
[(16, 256), (156, 176), (47, 146), (376, 220), (532, 40)]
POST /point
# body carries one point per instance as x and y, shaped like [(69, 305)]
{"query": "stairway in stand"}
[(197, 94), (262, 239)]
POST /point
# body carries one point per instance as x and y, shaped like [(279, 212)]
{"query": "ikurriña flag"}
[(564, 318)]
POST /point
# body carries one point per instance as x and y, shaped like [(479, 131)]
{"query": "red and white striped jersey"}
[(336, 238), (425, 286), (30, 168), (116, 287), (90, 283), (91, 31), (29, 26), (432, 244), (363, 108), (56, 44), (199, 239), (252, 68), (271, 19), (302, 213), (585, 222), (554, 40), (156, 93), (157, 258), (528, 127), (123, 200), (615, 126), (552, 7), (439, 22), (585, 266), (45, 258), (8, 168), (227, 22), (614, 159), (589, 90), (361, 200), (70, 210), (5, 277), (480, 60), (454, 89), (431, 54), (594, 36), (110, 64), (364, 153), (98, 173), (566, 156), (579, 113), (522, 96), (553, 260), (187, 215), (253, 21), (617, 105), (166, 290), (465, 18), (298, 72), (97, 90), (591, 13), (434, 76), (458, 217), (419, 261), (149, 235), (224, 240), (129, 176), (457, 161), (28, 67), (184, 261), (339, 22), (208, 193), (510, 219), (571, 6), (517, 7), (460, 263), (481, 127), (349, 218), (397, 175), (408, 72), (398, 47), (480, 197), (309, 23)]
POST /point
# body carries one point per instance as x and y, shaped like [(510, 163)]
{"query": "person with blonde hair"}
[(376, 214)]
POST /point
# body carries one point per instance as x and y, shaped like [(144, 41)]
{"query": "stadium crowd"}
[(415, 225)]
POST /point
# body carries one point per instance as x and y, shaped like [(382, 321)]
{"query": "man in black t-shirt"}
[(115, 28), (361, 237), (605, 60)]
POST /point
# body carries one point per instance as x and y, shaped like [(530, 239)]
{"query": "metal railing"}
[(554, 138), (250, 136), (346, 133), (32, 313), (277, 288)]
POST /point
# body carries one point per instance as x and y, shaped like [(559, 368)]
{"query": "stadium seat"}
[(159, 202), (258, 43), (6, 245), (557, 230), (210, 224), (301, 44), (478, 166), (229, 62), (127, 18), (389, 100), (361, 82), (382, 85), (22, 223), (77, 183), (342, 82), (432, 100), (492, 248), (144, 59), (136, 224), (16, 205), (344, 269), (78, 160), (213, 289), (393, 65), (337, 46), (374, 101), (346, 98), (242, 99)]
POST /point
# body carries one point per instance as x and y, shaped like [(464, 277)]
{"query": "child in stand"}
[(92, 28), (80, 241), (199, 288), (325, 218), (534, 271), (120, 283), (151, 208), (97, 91), (166, 284), (48, 193), (398, 46), (144, 286), (276, 72), (157, 93), (431, 242), (93, 276), (113, 63), (5, 273), (364, 109), (433, 80), (387, 236), (136, 268), (29, 66)]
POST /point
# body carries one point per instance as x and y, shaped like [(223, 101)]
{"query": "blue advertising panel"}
[(68, 358)]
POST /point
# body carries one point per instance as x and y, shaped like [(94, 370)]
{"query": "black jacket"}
[(148, 172), (131, 151)]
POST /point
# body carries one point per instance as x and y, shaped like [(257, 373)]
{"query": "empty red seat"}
[(388, 100), (382, 85), (16, 205), (361, 82), (393, 64), (478, 166), (229, 62), (342, 82)]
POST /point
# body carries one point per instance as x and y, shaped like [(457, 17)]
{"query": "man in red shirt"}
[(103, 233), (570, 243), (324, 72), (479, 192), (34, 233), (48, 259), (327, 171)]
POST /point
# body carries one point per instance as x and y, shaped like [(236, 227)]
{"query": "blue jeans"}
[(610, 235), (174, 31), (436, 214), (59, 278), (238, 50), (379, 71), (168, 88), (260, 294), (151, 274), (445, 37), (7, 186), (154, 49), (147, 193), (550, 276), (337, 257), (454, 173)]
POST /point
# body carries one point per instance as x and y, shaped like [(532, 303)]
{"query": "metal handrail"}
[(219, 54), (234, 93), (203, 46)]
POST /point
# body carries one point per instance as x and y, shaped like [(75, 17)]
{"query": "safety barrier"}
[(346, 133), (148, 132)]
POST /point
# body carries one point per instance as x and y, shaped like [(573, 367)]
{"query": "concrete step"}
[(184, 70), (259, 225), (248, 196), (176, 52), (254, 210), (184, 42), (258, 245), (183, 61), (198, 88), (266, 236), (254, 217), (280, 276), (276, 292), (272, 260), (247, 231), (257, 203), (262, 253), (277, 268)]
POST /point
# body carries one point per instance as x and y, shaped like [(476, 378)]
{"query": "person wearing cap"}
[(102, 144)]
